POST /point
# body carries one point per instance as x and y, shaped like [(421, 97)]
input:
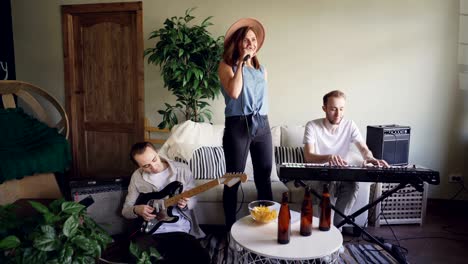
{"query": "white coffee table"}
[(258, 243)]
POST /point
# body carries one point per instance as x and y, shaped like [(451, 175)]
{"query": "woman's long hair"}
[(231, 47)]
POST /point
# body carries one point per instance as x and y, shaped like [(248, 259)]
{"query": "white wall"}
[(396, 60)]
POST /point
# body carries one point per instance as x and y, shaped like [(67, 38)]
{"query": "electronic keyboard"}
[(393, 174)]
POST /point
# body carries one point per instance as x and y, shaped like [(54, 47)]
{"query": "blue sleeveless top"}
[(254, 94)]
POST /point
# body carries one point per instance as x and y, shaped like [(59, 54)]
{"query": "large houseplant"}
[(188, 56), (61, 233)]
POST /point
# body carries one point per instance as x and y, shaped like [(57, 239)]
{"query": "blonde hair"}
[(334, 93)]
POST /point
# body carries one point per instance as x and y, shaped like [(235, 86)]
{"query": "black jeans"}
[(175, 247), (237, 142)]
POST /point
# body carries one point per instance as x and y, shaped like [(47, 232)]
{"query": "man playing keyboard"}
[(329, 139)]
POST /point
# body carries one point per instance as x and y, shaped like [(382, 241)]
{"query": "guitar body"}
[(156, 200), (164, 200)]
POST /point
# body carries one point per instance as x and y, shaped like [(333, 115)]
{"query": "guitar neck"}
[(192, 192)]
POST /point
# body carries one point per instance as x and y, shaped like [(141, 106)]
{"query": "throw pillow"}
[(249, 170), (292, 136), (206, 163), (209, 163), (289, 155)]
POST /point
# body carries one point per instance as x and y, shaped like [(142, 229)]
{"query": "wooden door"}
[(103, 57)]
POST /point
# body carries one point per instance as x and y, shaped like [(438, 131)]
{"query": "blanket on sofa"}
[(187, 137), (28, 146)]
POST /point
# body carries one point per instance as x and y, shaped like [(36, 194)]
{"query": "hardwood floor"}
[(443, 238)]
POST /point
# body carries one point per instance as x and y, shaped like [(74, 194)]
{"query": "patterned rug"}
[(216, 243)]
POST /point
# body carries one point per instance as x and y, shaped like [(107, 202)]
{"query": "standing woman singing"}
[(244, 83)]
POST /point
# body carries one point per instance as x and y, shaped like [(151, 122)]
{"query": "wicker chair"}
[(45, 108)]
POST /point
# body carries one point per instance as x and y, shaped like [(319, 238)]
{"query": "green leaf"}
[(48, 231), (71, 226), (32, 255), (144, 259), (208, 115), (205, 22), (9, 242), (55, 205), (72, 207), (39, 207), (134, 249), (188, 57), (65, 255), (51, 218), (45, 243), (155, 253), (83, 242), (83, 260), (102, 238)]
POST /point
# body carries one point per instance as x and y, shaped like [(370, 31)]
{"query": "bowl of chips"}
[(264, 211)]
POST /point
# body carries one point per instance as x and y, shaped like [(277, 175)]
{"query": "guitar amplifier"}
[(390, 143), (108, 197)]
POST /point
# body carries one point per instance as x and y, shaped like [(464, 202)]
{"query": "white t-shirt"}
[(326, 143), (160, 180)]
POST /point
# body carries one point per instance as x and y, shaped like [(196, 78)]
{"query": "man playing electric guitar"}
[(177, 241)]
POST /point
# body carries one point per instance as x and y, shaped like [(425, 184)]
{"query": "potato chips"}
[(263, 214)]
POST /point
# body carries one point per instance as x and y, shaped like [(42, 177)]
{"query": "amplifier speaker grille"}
[(391, 143), (108, 201)]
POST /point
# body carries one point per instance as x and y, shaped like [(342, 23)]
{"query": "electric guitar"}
[(164, 200)]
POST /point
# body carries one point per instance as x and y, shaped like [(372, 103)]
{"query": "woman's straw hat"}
[(250, 22)]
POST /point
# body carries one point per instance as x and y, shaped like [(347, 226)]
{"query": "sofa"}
[(200, 146)]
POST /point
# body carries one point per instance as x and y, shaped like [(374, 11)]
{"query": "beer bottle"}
[(325, 210), (306, 214), (284, 221)]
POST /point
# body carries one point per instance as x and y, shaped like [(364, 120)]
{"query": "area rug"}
[(216, 244)]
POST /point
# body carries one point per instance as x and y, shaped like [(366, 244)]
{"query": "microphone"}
[(246, 57)]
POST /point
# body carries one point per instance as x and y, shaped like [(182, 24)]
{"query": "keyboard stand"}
[(351, 218)]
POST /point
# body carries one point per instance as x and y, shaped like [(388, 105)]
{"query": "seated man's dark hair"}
[(139, 148)]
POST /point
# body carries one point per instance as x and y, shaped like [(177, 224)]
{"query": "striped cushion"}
[(207, 163), (289, 155)]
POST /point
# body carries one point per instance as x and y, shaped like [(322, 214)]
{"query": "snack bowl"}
[(264, 211)]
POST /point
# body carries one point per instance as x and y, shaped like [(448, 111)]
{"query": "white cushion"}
[(249, 170), (188, 136), (276, 136), (292, 136)]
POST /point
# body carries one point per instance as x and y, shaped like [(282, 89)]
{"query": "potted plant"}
[(61, 233), (188, 57)]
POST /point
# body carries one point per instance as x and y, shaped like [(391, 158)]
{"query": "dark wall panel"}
[(7, 53)]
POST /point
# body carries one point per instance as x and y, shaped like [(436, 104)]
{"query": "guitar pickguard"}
[(173, 190), (156, 200)]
